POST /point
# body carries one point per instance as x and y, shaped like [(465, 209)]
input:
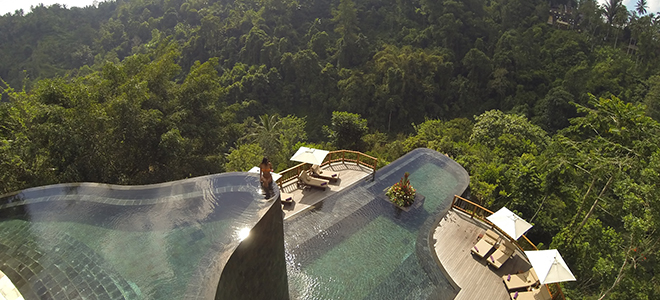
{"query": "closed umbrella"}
[(310, 155), (549, 266), (509, 222)]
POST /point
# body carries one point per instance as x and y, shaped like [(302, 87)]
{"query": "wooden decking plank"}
[(304, 199), (455, 236)]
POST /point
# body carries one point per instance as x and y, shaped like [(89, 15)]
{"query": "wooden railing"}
[(477, 211), (332, 157)]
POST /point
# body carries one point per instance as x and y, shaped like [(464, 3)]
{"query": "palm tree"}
[(621, 19), (641, 7), (612, 7), (266, 133)]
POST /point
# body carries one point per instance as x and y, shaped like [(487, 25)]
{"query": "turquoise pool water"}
[(91, 241), (169, 241), (359, 246)]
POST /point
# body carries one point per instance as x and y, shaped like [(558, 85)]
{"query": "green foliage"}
[(292, 134), (511, 135), (244, 157), (278, 137), (553, 111), (266, 133), (346, 130)]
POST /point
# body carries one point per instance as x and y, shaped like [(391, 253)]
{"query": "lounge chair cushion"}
[(502, 254), (520, 281), (311, 181), (541, 293), (481, 248), (325, 174), (485, 244), (491, 236), (286, 197)]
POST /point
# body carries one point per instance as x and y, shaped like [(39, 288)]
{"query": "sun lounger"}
[(520, 281), (485, 244), (310, 181), (502, 254), (325, 174), (541, 293), (286, 198)]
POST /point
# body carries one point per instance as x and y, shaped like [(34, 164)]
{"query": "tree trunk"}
[(584, 199), (591, 210), (616, 38), (607, 36), (539, 209), (389, 121), (618, 277), (629, 44)]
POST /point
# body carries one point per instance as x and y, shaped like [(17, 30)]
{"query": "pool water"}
[(94, 241), (359, 246), (171, 240)]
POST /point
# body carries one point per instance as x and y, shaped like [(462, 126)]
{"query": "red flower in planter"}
[(402, 193)]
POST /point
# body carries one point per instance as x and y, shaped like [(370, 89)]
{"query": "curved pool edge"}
[(256, 268), (47, 192), (432, 222), (218, 256)]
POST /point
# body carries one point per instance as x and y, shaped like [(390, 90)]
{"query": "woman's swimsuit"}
[(266, 172)]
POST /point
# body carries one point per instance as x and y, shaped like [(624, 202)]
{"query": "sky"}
[(12, 5), (653, 5)]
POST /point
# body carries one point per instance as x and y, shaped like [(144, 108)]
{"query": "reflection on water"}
[(243, 233), (142, 242)]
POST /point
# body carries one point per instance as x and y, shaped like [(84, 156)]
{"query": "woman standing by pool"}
[(264, 173)]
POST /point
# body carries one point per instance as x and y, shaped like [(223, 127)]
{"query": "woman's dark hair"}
[(264, 161)]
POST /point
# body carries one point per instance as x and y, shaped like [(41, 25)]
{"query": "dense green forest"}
[(552, 107)]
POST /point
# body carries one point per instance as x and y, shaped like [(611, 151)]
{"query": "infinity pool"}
[(356, 245), (172, 240), (96, 241)]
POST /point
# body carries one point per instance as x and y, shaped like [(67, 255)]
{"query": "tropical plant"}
[(266, 134), (402, 193), (612, 8), (641, 7)]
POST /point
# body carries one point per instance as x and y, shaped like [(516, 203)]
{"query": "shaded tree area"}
[(442, 59), (129, 123)]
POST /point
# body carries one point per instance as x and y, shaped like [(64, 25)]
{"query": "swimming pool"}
[(176, 240), (356, 245), (98, 241)]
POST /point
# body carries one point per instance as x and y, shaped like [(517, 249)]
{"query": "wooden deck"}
[(454, 237), (304, 199)]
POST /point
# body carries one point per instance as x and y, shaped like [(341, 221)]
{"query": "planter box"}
[(419, 201)]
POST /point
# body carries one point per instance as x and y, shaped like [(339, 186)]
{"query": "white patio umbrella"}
[(310, 155), (273, 174), (511, 223), (549, 266)]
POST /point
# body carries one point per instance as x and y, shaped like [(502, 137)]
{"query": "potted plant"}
[(402, 193)]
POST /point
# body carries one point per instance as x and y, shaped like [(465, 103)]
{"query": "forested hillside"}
[(552, 107)]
